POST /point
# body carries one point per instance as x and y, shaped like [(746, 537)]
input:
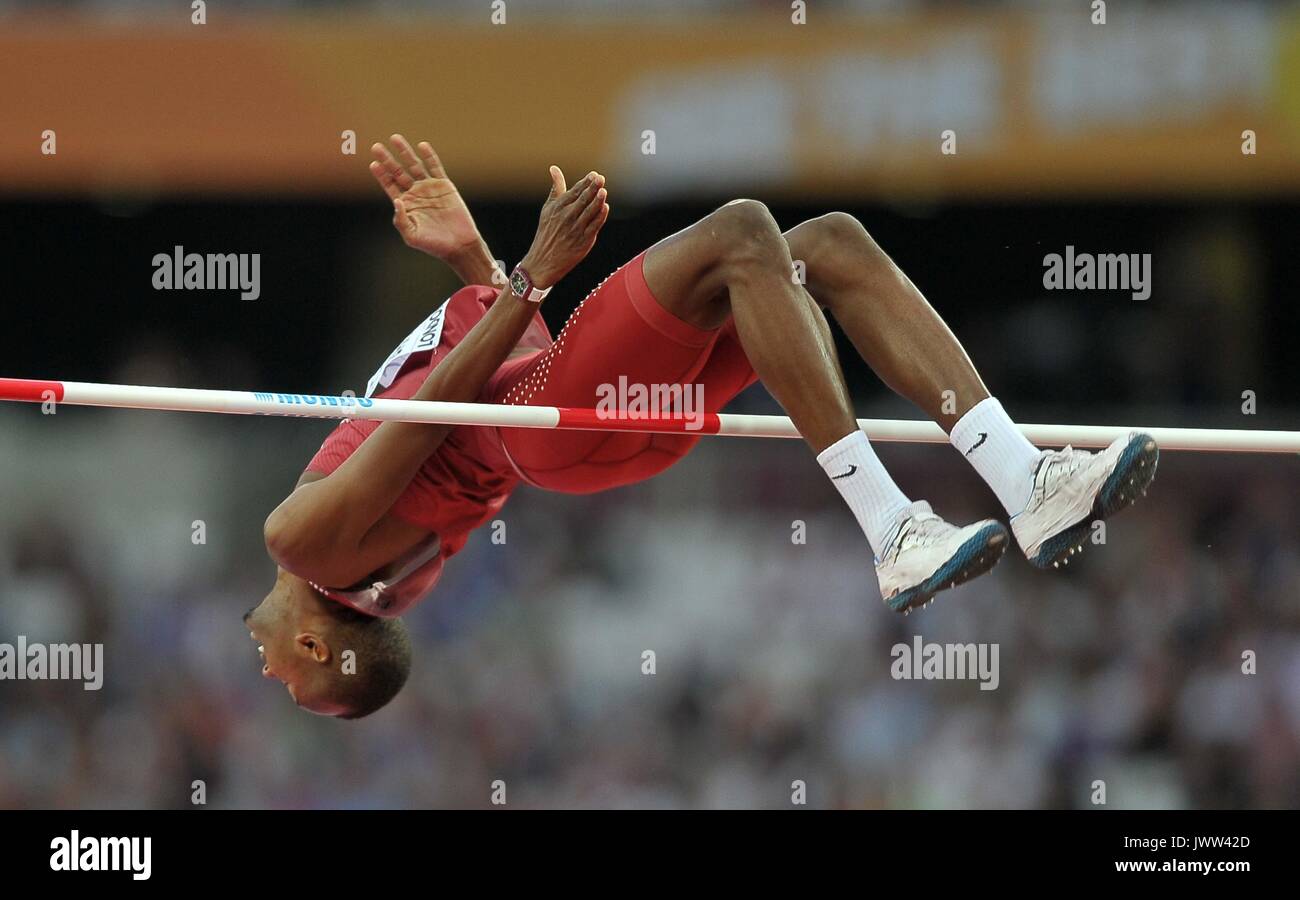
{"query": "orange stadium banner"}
[(1001, 103)]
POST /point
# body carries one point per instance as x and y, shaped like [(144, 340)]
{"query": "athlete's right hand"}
[(428, 211), (570, 221)]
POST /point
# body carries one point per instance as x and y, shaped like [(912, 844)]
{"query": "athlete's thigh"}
[(683, 270), (727, 371), (620, 334), (802, 241)]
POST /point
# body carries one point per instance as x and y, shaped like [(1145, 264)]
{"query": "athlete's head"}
[(304, 638)]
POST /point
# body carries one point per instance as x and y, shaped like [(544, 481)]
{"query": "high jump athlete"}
[(382, 506)]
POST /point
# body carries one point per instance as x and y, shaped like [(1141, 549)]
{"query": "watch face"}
[(518, 283)]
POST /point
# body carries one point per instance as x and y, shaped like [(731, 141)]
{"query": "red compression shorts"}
[(620, 329)]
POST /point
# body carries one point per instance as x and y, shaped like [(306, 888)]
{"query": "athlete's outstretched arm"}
[(320, 531), (428, 211)]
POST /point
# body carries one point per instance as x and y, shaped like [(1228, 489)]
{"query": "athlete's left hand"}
[(428, 211), (566, 231)]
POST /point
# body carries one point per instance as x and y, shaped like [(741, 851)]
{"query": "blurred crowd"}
[(738, 570)]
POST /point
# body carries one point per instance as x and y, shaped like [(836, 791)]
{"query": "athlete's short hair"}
[(382, 661)]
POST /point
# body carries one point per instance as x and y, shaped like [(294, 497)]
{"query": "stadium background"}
[(773, 657)]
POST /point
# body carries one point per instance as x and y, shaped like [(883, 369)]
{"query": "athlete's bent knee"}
[(745, 217), (750, 238), (838, 231)]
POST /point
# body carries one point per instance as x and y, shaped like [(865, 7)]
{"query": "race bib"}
[(425, 337)]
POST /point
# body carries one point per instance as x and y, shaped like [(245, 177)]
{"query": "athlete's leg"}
[(905, 342), (888, 320), (735, 263), (734, 267), (1051, 496)]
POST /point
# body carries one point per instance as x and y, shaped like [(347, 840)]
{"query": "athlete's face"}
[(290, 647)]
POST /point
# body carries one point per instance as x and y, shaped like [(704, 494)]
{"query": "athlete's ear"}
[(557, 182), (312, 645)]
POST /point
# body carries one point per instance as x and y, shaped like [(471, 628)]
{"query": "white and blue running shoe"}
[(1074, 488), (926, 555)]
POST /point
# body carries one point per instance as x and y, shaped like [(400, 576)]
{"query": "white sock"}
[(866, 487), (998, 450)]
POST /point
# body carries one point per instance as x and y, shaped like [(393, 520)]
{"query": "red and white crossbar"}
[(318, 406)]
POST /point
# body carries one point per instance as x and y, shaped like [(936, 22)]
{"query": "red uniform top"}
[(466, 480), (620, 331)]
